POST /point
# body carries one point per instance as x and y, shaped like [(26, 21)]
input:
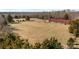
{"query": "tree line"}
[(10, 18)]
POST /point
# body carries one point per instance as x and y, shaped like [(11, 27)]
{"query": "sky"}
[(37, 5)]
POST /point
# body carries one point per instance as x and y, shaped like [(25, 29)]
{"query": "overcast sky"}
[(37, 5)]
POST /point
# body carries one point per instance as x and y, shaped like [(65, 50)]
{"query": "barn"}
[(59, 20)]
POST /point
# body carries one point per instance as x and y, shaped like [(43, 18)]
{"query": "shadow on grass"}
[(15, 29)]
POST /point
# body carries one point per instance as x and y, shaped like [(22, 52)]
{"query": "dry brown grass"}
[(38, 31)]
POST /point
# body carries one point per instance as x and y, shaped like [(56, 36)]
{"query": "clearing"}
[(37, 30)]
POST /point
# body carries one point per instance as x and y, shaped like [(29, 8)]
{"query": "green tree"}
[(70, 43), (27, 45), (51, 44), (66, 16), (56, 44), (27, 18), (10, 18), (74, 28), (45, 44), (16, 17), (37, 45), (11, 41)]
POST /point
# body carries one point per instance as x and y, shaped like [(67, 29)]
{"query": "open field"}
[(37, 31)]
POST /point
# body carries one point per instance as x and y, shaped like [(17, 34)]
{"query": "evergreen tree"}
[(70, 43), (10, 18), (66, 16)]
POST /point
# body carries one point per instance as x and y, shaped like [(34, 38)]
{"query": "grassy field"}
[(37, 31)]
